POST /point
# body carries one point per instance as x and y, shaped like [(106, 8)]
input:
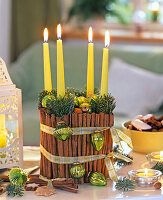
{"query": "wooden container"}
[(76, 145)]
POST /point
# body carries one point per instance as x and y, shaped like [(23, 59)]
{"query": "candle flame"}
[(146, 171), (45, 35), (107, 39), (59, 31), (90, 34), (161, 154)]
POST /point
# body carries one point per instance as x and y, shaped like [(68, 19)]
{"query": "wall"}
[(5, 14)]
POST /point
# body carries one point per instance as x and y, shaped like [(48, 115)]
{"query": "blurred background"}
[(136, 51)]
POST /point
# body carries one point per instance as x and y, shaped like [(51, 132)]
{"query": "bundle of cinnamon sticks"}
[(76, 145), (62, 184)]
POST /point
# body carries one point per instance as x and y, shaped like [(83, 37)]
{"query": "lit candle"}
[(47, 71), (159, 156), (145, 173), (104, 76), (60, 65), (90, 67), (145, 176), (2, 131)]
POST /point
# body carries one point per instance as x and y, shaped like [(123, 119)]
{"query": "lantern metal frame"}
[(11, 105)]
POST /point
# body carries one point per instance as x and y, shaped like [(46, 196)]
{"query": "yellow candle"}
[(60, 65), (2, 131), (90, 67), (145, 173), (47, 71), (159, 156), (104, 76)]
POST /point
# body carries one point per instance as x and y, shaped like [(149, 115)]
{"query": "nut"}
[(157, 185)]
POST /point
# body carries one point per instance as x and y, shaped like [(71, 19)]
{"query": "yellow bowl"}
[(143, 141)]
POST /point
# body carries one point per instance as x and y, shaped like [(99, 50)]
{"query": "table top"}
[(87, 191)]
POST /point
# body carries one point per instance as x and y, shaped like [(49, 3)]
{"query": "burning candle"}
[(60, 65), (47, 71), (159, 156), (90, 67), (104, 76), (145, 173), (144, 176), (155, 157)]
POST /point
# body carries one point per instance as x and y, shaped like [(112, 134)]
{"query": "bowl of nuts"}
[(146, 133)]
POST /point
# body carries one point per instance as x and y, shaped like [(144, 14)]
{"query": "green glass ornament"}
[(62, 132), (17, 176), (97, 139), (98, 179), (77, 170), (47, 101)]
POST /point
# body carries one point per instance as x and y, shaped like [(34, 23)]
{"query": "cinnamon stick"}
[(88, 142), (93, 118), (101, 124), (68, 189), (41, 141), (66, 149), (98, 162), (60, 153), (111, 120), (80, 142), (49, 148), (54, 149), (84, 146)]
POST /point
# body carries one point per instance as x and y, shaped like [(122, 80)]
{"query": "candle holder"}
[(155, 157), (144, 177), (11, 130)]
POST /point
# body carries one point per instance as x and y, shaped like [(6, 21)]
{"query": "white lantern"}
[(11, 131)]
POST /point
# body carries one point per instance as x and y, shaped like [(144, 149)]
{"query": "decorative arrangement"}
[(75, 125), (144, 177), (125, 184), (20, 181), (11, 132)]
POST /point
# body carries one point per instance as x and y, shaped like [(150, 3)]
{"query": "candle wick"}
[(59, 38)]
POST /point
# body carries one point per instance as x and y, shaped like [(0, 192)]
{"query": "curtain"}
[(28, 20)]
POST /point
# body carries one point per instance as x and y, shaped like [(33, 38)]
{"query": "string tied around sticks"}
[(117, 134), (83, 159)]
